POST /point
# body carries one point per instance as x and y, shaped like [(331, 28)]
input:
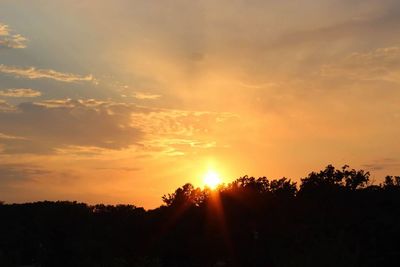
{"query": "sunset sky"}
[(123, 101)]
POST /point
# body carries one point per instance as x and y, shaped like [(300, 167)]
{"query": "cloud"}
[(178, 132), (382, 64), (33, 73), (17, 177), (90, 126), (20, 92), (383, 164), (179, 122), (145, 96), (6, 107), (10, 40), (177, 146), (80, 151), (10, 137), (126, 169), (49, 125), (331, 31), (4, 31), (14, 172)]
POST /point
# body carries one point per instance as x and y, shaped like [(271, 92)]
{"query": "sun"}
[(211, 179)]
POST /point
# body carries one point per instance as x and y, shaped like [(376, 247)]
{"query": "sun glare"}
[(211, 179)]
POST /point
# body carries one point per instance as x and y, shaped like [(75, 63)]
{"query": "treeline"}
[(334, 217)]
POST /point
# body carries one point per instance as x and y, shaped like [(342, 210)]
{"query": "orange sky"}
[(123, 101)]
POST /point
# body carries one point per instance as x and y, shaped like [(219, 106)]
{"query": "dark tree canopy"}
[(331, 178), (335, 217)]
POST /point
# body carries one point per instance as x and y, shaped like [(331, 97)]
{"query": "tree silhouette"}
[(331, 179), (335, 218), (185, 195), (391, 181)]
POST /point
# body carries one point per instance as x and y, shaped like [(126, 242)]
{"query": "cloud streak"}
[(20, 92), (177, 132), (20, 172), (145, 96), (382, 64), (10, 137), (34, 73), (6, 107), (49, 125), (52, 126), (383, 164)]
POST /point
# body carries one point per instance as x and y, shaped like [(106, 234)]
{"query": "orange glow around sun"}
[(211, 179)]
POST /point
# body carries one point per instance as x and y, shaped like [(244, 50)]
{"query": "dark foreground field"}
[(332, 218)]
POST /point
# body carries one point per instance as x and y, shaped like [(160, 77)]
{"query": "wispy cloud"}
[(20, 92), (176, 146), (382, 64), (10, 137), (49, 125), (383, 164), (10, 40), (20, 172), (145, 96), (6, 107), (91, 126), (34, 73), (179, 122), (178, 132), (126, 169)]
